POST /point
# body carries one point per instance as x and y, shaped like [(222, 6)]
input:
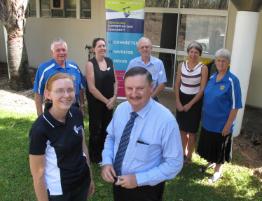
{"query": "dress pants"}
[(142, 193)]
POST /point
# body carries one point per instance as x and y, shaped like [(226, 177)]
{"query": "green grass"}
[(237, 184)]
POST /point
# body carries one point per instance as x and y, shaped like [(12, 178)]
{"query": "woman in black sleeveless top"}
[(101, 95)]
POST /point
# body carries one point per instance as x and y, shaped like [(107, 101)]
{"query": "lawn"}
[(237, 184)]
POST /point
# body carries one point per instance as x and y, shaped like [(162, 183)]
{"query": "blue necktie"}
[(124, 143)]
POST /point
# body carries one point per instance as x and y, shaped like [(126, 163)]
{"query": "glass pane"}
[(162, 3), (31, 8), (85, 9), (70, 8), (45, 8), (168, 61), (153, 27), (161, 29), (209, 31), (205, 4), (57, 13)]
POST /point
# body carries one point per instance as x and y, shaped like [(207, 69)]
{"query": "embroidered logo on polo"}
[(77, 129), (222, 87)]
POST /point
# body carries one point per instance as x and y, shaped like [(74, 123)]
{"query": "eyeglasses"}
[(61, 91)]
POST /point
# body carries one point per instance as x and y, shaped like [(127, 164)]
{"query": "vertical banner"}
[(124, 27)]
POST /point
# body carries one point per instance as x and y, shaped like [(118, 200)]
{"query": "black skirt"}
[(189, 121), (214, 147)]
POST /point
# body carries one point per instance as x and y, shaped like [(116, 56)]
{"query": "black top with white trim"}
[(61, 143)]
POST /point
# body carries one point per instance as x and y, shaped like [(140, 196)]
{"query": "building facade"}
[(171, 24)]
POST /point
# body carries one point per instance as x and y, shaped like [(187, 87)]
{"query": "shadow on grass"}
[(192, 185)]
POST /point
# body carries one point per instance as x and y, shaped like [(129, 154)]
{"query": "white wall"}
[(40, 32), (2, 45)]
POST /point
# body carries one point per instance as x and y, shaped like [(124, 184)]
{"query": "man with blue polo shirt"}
[(58, 63), (143, 147), (154, 65)]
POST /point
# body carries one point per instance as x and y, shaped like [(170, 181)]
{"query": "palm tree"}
[(12, 16)]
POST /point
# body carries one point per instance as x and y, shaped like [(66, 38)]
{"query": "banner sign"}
[(124, 27)]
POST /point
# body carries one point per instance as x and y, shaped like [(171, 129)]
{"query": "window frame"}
[(62, 7), (186, 11)]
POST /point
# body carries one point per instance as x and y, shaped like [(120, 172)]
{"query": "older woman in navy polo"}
[(222, 99)]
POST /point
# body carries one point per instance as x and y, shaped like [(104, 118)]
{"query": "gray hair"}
[(224, 53), (58, 41), (195, 45), (143, 39)]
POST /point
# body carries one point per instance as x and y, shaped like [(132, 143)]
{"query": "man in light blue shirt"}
[(154, 65), (154, 152)]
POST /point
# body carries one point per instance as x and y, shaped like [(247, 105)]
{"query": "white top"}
[(190, 78)]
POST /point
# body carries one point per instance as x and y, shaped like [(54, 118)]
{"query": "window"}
[(57, 4), (31, 8), (206, 4), (70, 8), (45, 8), (162, 3), (85, 9), (161, 28), (64, 8), (171, 30), (157, 28), (208, 31)]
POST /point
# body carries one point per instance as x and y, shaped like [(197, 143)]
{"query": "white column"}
[(242, 55)]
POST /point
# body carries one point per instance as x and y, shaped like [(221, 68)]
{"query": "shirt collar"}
[(224, 78), (58, 66), (142, 112), (53, 122), (150, 59)]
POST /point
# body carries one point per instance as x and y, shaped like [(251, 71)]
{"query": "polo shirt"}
[(155, 66), (61, 144), (219, 99), (50, 67)]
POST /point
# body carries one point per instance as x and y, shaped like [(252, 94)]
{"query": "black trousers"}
[(143, 193), (77, 194), (99, 118)]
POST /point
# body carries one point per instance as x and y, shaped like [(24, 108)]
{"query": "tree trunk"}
[(17, 60), (12, 15)]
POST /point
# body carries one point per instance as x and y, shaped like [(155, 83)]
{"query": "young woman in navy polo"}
[(58, 155)]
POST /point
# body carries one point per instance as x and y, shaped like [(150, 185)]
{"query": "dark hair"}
[(96, 40), (195, 45), (138, 71)]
